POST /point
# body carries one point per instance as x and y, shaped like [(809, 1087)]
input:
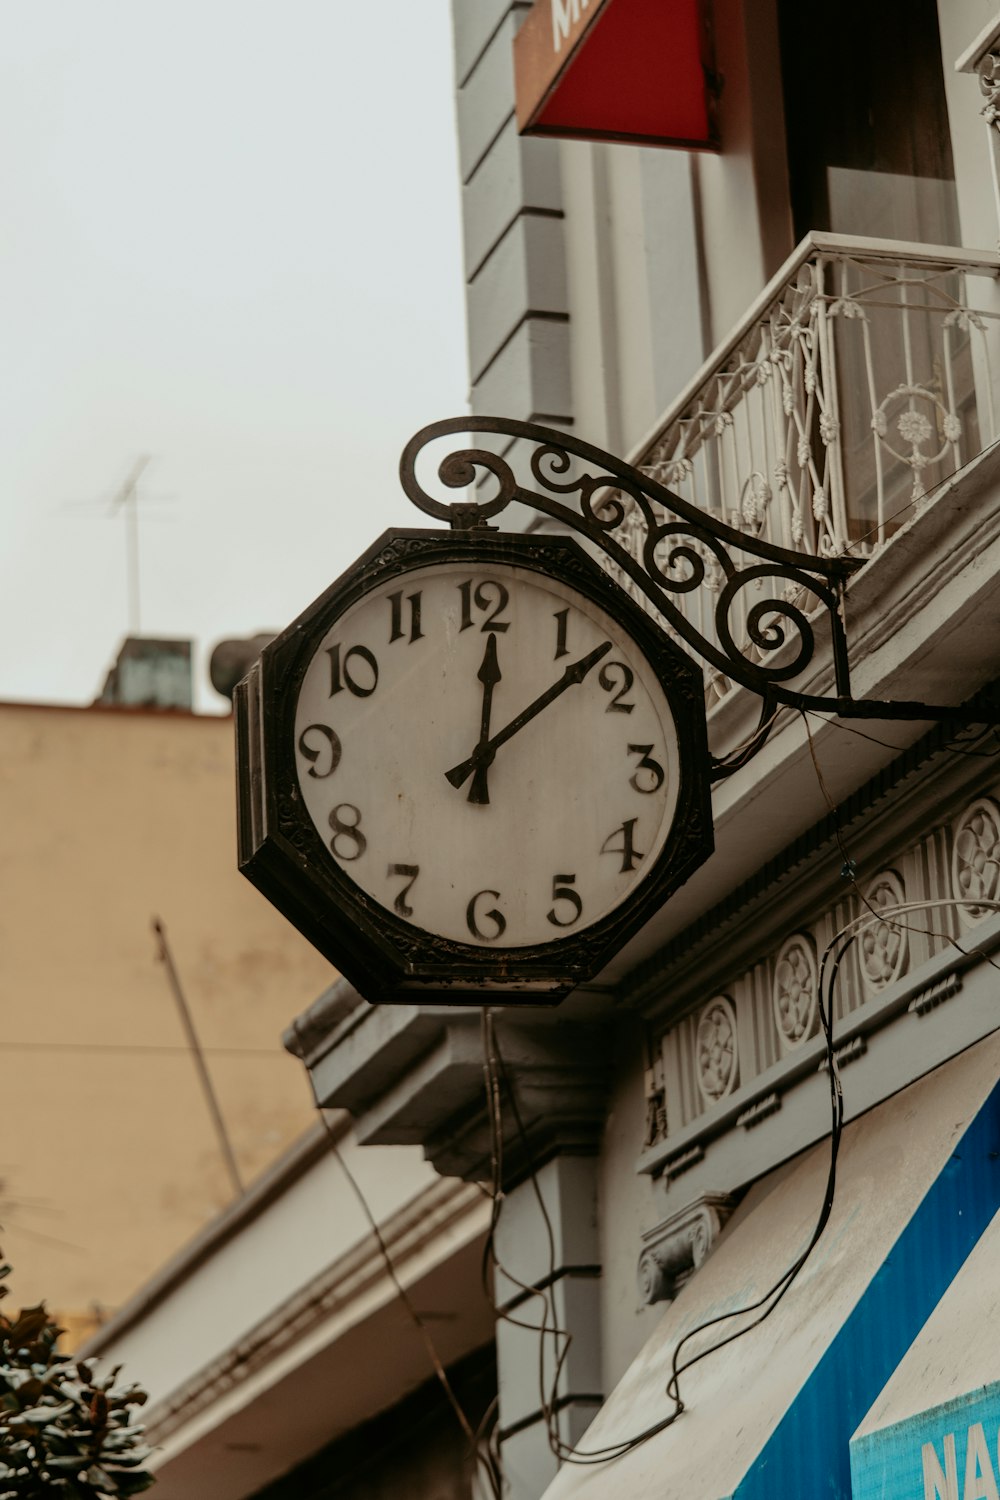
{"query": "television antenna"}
[(126, 501)]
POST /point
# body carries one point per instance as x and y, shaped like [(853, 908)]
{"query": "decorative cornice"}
[(848, 1053), (676, 1166), (416, 1074), (644, 988), (935, 994), (559, 1077), (310, 1033), (760, 1110)]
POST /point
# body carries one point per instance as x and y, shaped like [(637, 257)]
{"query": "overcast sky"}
[(230, 241)]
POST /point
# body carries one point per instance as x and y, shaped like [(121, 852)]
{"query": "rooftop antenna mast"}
[(126, 500)]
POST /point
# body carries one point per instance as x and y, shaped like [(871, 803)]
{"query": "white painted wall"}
[(744, 213), (275, 1255), (960, 22), (666, 249), (628, 1203), (635, 286)]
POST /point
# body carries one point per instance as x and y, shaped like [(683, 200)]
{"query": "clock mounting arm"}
[(765, 609)]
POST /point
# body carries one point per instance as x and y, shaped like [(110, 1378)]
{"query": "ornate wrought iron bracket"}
[(778, 600)]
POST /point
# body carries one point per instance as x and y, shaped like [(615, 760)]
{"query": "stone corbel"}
[(675, 1248), (989, 84)]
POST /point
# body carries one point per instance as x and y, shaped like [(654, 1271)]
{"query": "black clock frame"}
[(386, 958)]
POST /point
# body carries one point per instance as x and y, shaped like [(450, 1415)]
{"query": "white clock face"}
[(487, 754)]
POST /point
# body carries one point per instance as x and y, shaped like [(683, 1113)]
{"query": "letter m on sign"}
[(565, 13), (940, 1484)]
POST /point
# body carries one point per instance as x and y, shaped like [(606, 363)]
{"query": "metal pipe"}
[(225, 1145)]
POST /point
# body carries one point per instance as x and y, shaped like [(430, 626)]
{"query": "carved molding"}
[(883, 949), (760, 1110), (683, 1162), (989, 84), (795, 990), (935, 994), (848, 1053), (975, 858), (717, 1050), (675, 1248), (656, 1103)]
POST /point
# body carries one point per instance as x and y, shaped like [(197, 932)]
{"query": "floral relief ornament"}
[(913, 427), (883, 945), (795, 990), (975, 859), (716, 1049)]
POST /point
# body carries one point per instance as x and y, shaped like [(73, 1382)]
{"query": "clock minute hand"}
[(486, 750)]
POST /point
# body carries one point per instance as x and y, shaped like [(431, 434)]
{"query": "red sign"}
[(626, 70)]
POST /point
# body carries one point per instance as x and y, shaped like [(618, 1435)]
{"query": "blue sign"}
[(951, 1452)]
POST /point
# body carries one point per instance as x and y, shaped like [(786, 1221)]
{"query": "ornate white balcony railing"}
[(863, 376)]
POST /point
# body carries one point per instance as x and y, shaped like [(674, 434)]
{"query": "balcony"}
[(864, 376)]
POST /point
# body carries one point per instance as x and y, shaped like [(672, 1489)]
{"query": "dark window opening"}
[(869, 149)]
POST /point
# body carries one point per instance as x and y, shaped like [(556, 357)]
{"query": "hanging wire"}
[(739, 755), (568, 1453), (829, 971), (849, 872), (956, 746), (493, 1065), (497, 1081), (914, 502), (485, 1460)]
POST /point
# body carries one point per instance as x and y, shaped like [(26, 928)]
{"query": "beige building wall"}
[(108, 1157)]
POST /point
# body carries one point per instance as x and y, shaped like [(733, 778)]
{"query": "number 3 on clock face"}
[(487, 753)]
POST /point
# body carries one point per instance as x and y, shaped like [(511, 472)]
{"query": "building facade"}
[(285, 1348), (797, 333), (115, 817)]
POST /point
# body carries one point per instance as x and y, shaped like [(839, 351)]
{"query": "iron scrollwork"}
[(679, 550)]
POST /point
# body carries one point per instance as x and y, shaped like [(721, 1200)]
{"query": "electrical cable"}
[(739, 755), (829, 970), (887, 915), (546, 1294), (953, 746), (849, 872), (768, 1302), (491, 1055)]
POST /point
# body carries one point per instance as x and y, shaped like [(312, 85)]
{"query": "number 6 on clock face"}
[(496, 729)]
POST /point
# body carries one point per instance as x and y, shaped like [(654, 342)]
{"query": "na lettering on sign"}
[(951, 1452), (979, 1475)]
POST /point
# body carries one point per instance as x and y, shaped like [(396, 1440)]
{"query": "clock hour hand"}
[(485, 751), (489, 675)]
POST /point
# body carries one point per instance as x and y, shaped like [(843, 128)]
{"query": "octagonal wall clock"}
[(472, 769)]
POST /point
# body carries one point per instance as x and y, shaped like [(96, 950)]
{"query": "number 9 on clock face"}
[(487, 753)]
